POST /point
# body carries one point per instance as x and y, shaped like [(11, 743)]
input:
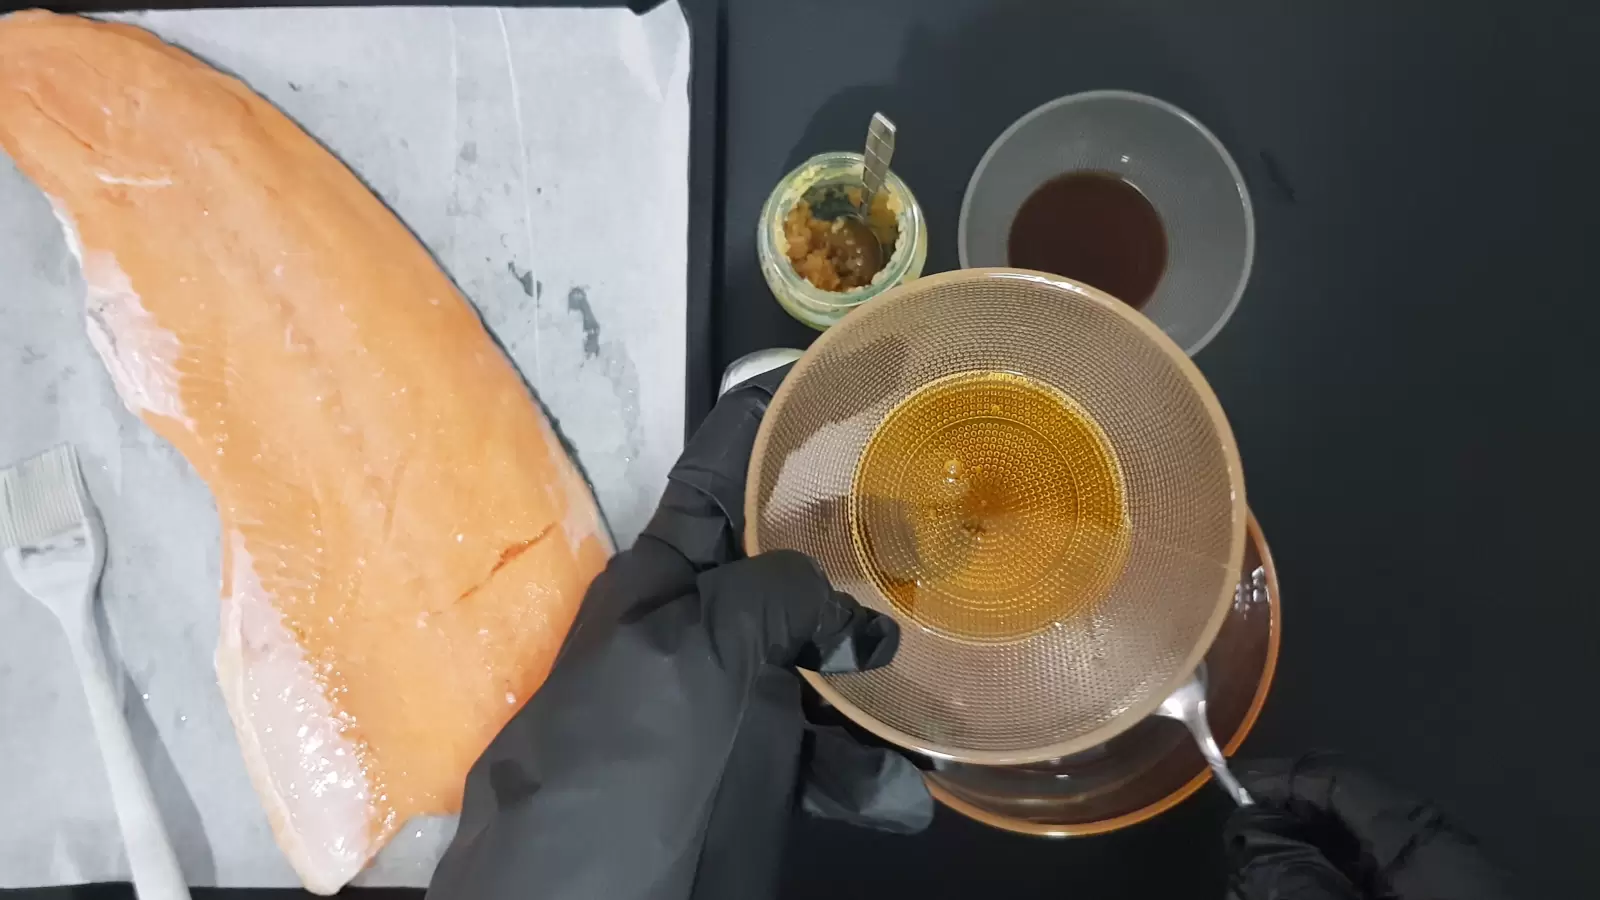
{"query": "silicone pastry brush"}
[(54, 545)]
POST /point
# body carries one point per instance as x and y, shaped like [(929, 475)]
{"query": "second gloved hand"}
[(1325, 831), (665, 754)]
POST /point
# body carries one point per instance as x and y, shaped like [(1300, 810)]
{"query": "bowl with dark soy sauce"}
[(1123, 192)]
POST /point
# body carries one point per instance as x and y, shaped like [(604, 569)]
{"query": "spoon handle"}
[(1200, 727), (1188, 705), (875, 167)]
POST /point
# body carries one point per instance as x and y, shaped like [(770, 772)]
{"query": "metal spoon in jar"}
[(874, 169)]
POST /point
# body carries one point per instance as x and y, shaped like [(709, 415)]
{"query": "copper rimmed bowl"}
[(1015, 648), (1154, 765)]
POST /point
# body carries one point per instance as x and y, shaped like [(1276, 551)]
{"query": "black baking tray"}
[(707, 41), (707, 36)]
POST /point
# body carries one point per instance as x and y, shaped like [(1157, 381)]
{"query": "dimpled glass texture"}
[(1072, 616)]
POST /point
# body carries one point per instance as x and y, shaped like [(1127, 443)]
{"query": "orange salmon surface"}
[(405, 540)]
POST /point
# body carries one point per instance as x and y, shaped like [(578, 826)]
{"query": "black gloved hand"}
[(1323, 831), (664, 755)]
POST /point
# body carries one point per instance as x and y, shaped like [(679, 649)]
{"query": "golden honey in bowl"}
[(988, 506)]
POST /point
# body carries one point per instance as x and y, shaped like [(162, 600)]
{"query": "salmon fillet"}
[(405, 540)]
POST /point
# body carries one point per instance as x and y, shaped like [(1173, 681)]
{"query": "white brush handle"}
[(156, 875)]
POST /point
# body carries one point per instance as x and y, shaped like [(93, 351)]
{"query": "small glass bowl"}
[(1173, 160), (804, 300)]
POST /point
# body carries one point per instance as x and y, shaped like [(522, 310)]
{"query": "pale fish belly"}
[(140, 355), (302, 763)]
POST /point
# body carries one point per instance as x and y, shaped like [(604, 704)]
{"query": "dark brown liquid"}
[(1093, 227)]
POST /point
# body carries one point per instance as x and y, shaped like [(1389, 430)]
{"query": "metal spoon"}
[(874, 169), (1188, 705), (875, 160)]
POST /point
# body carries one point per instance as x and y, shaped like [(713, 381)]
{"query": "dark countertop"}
[(1405, 375)]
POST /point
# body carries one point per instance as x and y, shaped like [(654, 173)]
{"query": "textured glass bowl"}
[(1153, 766), (1109, 658)]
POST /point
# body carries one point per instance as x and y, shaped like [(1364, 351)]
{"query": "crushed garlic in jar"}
[(830, 255)]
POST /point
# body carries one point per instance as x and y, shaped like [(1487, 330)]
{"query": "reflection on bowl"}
[(1151, 767)]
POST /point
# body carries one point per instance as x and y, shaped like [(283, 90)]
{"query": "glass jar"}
[(804, 300)]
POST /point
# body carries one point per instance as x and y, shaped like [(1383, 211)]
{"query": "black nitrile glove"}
[(1323, 831), (665, 754)]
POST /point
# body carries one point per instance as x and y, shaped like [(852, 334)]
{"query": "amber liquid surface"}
[(1093, 227), (988, 506)]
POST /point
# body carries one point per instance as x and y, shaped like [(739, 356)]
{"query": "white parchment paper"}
[(542, 155)]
